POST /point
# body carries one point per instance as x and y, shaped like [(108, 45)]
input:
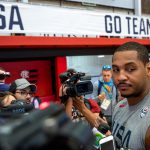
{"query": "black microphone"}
[(104, 128), (17, 106)]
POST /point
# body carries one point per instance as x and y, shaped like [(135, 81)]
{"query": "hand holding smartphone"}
[(107, 143)]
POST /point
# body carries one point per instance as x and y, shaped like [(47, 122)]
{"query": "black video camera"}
[(4, 75), (64, 76), (77, 84)]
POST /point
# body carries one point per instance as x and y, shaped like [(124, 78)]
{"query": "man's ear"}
[(148, 69)]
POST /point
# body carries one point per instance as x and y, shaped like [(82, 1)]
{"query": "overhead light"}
[(101, 56)]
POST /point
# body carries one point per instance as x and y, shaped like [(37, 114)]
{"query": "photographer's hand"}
[(78, 103), (67, 101), (91, 117), (68, 107)]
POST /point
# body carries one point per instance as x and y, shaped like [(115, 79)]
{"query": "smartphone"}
[(107, 143), (98, 136)]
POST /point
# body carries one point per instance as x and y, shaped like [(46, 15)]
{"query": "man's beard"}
[(135, 94)]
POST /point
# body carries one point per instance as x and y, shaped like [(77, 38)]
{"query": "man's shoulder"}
[(4, 87), (4, 84), (99, 81), (120, 108), (122, 103), (96, 83)]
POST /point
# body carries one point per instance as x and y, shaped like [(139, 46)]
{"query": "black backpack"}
[(100, 84)]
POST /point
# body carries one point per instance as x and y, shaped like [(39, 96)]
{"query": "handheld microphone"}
[(17, 106), (104, 128)]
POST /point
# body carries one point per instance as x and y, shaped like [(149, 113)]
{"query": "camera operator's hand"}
[(67, 101), (92, 118), (64, 89), (78, 103), (68, 107)]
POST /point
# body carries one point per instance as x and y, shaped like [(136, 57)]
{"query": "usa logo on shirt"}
[(144, 111)]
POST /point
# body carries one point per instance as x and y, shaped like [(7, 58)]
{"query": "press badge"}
[(105, 104)]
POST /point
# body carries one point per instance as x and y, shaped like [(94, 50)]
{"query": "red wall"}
[(60, 66), (38, 72)]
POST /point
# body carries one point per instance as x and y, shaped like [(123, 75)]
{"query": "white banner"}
[(36, 19)]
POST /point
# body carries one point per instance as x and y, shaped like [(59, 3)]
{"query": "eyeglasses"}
[(24, 93), (106, 67)]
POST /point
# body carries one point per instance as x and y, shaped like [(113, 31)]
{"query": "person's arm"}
[(68, 102), (91, 117), (68, 107), (147, 139), (7, 100)]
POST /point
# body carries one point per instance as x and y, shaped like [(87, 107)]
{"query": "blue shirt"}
[(4, 87)]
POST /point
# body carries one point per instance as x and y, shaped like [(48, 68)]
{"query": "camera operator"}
[(75, 104), (65, 99), (3, 75)]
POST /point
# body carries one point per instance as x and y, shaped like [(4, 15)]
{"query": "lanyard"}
[(108, 91)]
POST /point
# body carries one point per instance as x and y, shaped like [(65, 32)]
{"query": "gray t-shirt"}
[(130, 124)]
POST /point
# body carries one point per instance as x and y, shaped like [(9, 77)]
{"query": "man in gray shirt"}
[(131, 117)]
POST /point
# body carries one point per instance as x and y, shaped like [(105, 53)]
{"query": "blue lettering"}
[(120, 133), (2, 18), (128, 23), (108, 24), (142, 26), (18, 110), (117, 24), (12, 21), (122, 137), (115, 129), (148, 27), (134, 26), (127, 139)]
